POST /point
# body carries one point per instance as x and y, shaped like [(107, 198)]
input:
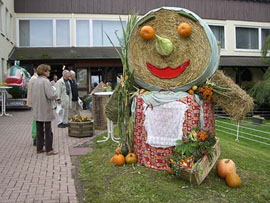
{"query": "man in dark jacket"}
[(75, 109)]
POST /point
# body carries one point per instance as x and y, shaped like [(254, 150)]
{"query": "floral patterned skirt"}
[(156, 158)]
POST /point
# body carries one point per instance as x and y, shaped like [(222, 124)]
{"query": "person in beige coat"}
[(31, 81), (64, 96), (42, 94)]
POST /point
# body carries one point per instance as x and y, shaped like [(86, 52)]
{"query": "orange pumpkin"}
[(190, 91), (118, 150), (224, 167), (131, 158), (147, 32), (168, 169), (118, 160), (233, 180), (184, 30)]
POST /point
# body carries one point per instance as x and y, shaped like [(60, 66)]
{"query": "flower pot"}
[(81, 129)]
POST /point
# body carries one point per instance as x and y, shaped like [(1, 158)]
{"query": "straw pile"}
[(195, 48), (239, 103), (111, 108)]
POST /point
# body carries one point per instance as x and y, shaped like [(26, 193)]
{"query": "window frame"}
[(53, 31), (224, 26), (11, 30), (259, 38), (2, 10), (6, 23)]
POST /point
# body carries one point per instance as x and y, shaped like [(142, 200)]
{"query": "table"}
[(3, 90), (109, 122)]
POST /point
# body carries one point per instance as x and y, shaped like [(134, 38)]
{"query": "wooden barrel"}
[(99, 102), (81, 129)]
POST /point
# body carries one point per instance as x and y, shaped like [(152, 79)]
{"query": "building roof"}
[(63, 53), (91, 53), (243, 10)]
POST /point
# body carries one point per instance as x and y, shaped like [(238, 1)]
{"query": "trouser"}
[(44, 127), (34, 130), (75, 110), (64, 118)]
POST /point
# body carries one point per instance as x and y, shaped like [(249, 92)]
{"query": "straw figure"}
[(174, 57)]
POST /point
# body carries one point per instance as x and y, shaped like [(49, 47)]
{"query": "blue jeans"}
[(90, 107)]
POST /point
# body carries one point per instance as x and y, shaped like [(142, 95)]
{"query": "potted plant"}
[(81, 126)]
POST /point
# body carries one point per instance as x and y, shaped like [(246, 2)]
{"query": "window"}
[(103, 27), (3, 69), (36, 33), (6, 23), (62, 33), (11, 27), (219, 34), (82, 33), (1, 17), (265, 34), (247, 38)]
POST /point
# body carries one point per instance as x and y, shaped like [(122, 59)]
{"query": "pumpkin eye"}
[(147, 32), (184, 30)]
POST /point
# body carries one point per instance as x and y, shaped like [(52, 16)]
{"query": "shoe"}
[(51, 153), (40, 151), (61, 125), (34, 142), (65, 125)]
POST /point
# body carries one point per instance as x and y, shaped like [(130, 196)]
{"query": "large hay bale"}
[(195, 48), (242, 102), (111, 108)]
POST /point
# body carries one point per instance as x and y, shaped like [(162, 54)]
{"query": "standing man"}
[(54, 81), (29, 103), (64, 96), (74, 89)]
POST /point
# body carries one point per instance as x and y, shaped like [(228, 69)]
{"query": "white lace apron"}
[(164, 124)]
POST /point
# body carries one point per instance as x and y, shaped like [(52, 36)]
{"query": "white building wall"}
[(7, 37)]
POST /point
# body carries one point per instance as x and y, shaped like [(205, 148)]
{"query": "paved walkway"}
[(26, 176)]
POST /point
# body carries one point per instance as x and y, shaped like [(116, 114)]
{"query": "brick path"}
[(26, 176)]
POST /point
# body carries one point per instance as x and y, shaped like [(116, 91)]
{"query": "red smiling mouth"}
[(168, 72)]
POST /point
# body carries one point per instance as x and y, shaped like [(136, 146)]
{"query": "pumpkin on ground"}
[(131, 158), (224, 167), (233, 180), (118, 160)]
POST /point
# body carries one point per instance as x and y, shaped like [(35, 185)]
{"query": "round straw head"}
[(185, 64)]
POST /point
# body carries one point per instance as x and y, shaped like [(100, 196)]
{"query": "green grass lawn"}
[(108, 183)]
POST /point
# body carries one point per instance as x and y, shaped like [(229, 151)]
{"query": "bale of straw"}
[(195, 48), (111, 108), (238, 104)]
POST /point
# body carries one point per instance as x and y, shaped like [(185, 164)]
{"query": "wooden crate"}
[(206, 165), (81, 129)]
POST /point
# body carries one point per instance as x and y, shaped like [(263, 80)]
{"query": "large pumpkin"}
[(224, 167), (192, 56), (118, 160), (131, 158), (233, 180)]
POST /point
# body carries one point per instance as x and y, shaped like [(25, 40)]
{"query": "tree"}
[(265, 50)]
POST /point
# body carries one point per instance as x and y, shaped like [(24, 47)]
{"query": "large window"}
[(82, 33), (1, 17), (6, 23), (62, 33), (247, 38), (10, 27), (40, 33), (103, 27), (265, 34), (219, 34)]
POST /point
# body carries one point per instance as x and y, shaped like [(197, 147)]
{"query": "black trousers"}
[(44, 128)]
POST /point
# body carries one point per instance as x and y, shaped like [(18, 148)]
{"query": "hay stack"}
[(239, 103), (195, 48)]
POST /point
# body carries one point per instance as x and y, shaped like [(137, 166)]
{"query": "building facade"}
[(73, 33), (7, 34)]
